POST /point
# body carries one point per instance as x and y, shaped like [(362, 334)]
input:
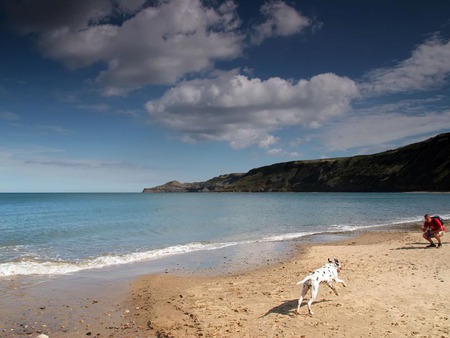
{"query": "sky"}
[(119, 95)]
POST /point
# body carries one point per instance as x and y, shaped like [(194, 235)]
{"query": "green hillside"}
[(423, 166)]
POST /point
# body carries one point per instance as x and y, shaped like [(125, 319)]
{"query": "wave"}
[(332, 229), (30, 266), (27, 266)]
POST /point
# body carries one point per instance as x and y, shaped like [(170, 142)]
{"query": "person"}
[(432, 227)]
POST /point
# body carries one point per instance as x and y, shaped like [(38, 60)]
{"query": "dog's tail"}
[(303, 280)]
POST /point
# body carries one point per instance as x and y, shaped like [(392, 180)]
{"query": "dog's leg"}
[(305, 289), (340, 281), (314, 291), (333, 288)]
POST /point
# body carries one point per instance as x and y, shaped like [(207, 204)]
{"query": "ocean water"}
[(57, 234)]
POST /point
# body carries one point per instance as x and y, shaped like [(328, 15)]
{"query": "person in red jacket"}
[(432, 227)]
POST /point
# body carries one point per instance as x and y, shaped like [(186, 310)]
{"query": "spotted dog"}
[(327, 274)]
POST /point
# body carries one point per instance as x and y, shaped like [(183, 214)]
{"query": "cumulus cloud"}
[(140, 43), (175, 39), (429, 65), (247, 111), (280, 20), (155, 45)]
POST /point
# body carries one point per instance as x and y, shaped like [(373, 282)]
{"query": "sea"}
[(50, 234)]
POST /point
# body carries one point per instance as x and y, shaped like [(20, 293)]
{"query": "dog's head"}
[(336, 262)]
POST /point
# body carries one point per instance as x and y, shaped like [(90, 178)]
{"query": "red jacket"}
[(434, 225)]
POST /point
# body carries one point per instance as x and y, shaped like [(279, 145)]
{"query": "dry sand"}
[(395, 288)]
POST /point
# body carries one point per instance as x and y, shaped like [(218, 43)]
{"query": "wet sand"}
[(65, 306)]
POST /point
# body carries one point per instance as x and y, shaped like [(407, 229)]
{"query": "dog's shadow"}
[(289, 307)]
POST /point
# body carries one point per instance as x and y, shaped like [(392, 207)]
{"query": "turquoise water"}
[(52, 234)]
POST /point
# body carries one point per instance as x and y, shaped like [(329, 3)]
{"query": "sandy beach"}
[(396, 287)]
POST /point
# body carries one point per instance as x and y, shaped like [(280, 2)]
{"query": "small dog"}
[(327, 274)]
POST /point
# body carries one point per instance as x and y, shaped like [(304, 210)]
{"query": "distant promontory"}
[(423, 166)]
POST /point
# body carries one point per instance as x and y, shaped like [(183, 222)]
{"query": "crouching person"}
[(433, 228)]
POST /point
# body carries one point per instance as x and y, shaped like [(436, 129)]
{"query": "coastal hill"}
[(423, 166)]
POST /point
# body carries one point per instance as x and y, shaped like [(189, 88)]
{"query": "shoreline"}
[(97, 301), (230, 299)]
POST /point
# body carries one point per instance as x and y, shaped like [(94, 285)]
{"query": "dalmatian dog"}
[(325, 274)]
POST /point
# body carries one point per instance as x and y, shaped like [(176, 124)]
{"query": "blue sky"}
[(115, 95)]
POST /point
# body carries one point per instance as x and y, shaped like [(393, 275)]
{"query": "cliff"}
[(423, 166)]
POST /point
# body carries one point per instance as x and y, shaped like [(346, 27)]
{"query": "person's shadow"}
[(414, 246)]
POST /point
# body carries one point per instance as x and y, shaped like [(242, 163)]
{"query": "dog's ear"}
[(330, 261)]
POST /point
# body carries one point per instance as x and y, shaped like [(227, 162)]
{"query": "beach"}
[(218, 265), (395, 287)]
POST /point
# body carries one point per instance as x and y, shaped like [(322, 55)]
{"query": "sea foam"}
[(31, 266)]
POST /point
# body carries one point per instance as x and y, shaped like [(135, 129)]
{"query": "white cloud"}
[(281, 20), (428, 66), (158, 45), (141, 44), (379, 129), (161, 45), (381, 124), (245, 111), (79, 48)]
